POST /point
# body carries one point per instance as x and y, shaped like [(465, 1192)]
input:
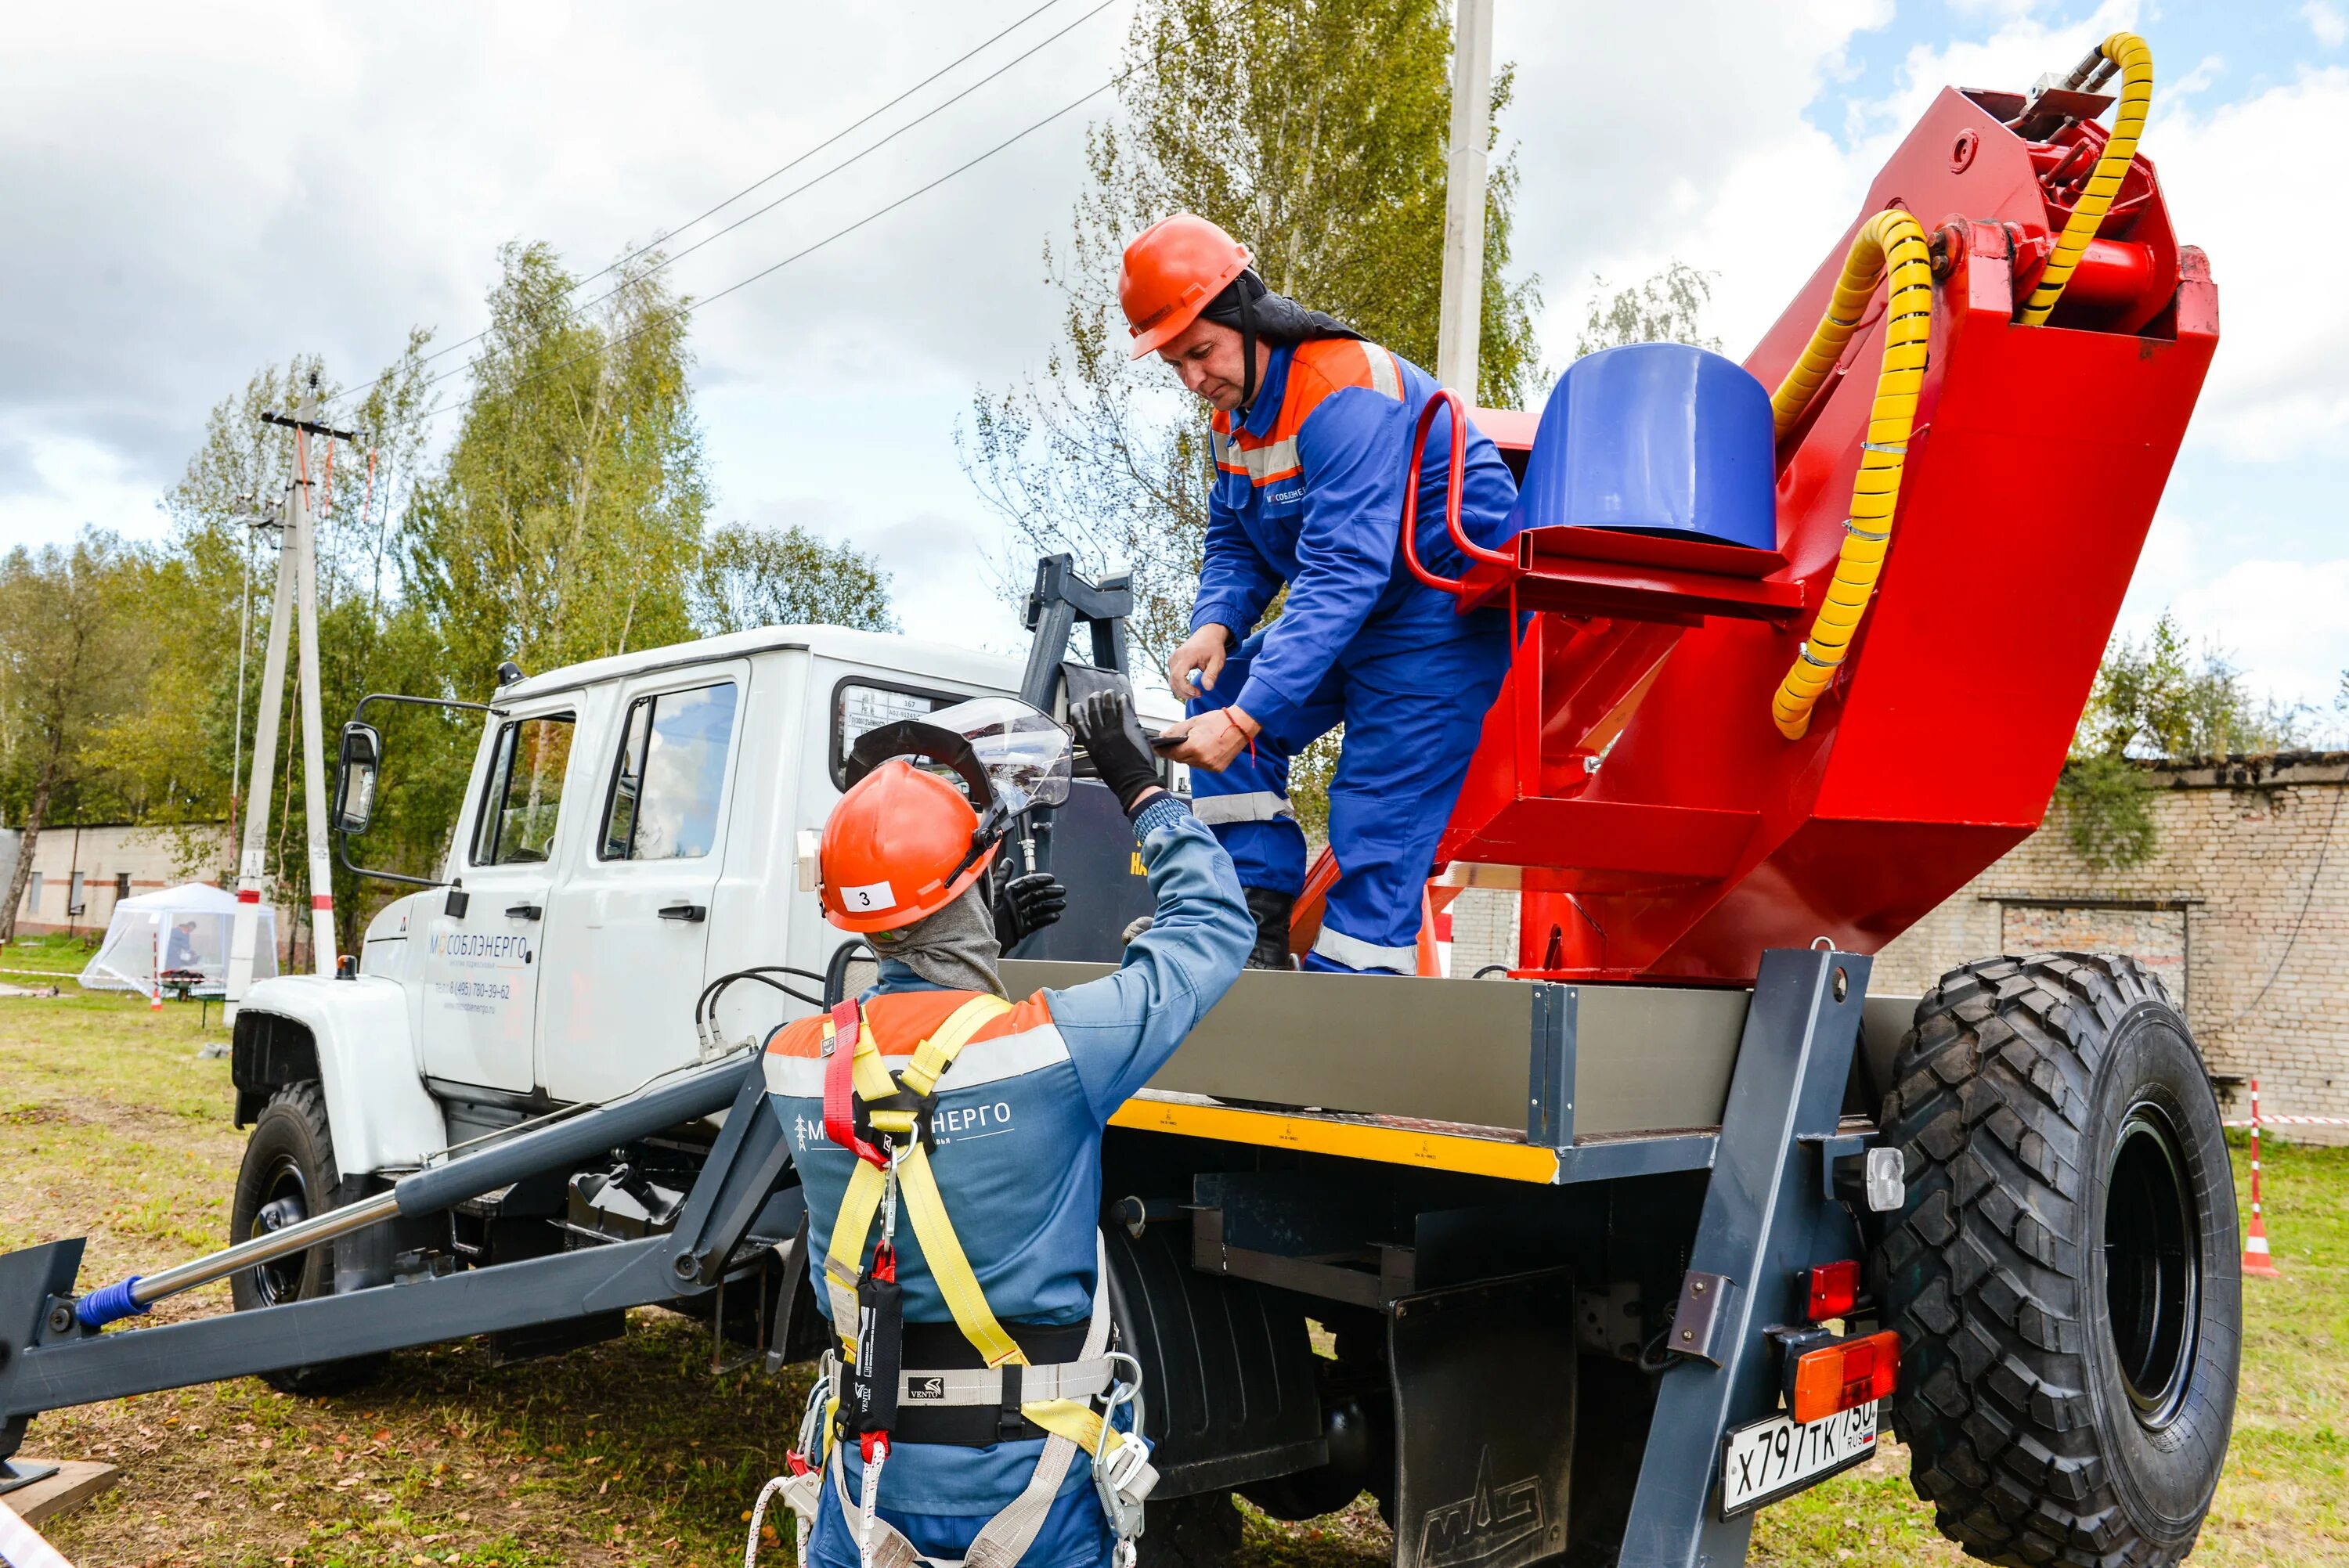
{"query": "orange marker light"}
[(1846, 1374), (1834, 1289)]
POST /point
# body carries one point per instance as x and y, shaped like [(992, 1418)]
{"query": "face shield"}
[(1005, 756)]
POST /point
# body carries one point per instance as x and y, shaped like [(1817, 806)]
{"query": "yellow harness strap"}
[(926, 1207)]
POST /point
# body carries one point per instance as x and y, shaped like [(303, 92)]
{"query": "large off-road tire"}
[(289, 1174), (2063, 1272)]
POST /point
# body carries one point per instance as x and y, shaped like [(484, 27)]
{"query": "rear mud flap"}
[(1484, 1394)]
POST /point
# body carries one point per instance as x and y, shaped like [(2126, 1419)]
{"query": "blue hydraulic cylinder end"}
[(1658, 439), (108, 1303)]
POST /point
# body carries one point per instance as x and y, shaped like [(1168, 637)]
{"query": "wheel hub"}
[(2153, 1266), (285, 1201)]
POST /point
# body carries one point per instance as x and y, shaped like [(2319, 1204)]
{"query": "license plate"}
[(1778, 1458)]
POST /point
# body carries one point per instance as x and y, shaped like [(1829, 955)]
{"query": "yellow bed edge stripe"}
[(1315, 1135)]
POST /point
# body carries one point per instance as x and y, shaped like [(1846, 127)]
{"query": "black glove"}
[(1099, 721), (1025, 904)]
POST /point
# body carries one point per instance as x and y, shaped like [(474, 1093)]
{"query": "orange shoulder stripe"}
[(1331, 364), (903, 1020)]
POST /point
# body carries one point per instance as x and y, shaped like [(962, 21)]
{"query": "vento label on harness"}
[(931, 1389)]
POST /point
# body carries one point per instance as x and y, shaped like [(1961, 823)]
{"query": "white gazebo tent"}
[(183, 930)]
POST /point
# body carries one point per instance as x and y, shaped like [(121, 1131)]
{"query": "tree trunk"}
[(34, 815)]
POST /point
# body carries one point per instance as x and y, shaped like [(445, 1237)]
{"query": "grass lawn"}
[(29, 957), (632, 1453)]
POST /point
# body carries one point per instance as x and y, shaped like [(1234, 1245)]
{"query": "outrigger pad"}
[(1484, 1391)]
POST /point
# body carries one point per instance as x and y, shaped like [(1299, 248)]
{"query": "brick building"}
[(2242, 909), (78, 872)]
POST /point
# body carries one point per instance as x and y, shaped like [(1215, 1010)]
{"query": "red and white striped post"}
[(155, 968), (2257, 1260)]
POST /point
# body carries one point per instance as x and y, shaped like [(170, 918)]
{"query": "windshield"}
[(1026, 755)]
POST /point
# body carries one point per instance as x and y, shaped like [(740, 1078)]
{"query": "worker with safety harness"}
[(948, 1140), (1312, 435)]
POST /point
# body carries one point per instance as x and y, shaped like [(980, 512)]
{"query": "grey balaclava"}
[(954, 948), (1256, 311)]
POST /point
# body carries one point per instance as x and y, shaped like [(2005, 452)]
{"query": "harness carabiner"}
[(1122, 1472)]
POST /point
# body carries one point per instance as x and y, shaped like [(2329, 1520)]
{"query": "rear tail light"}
[(1846, 1374), (1834, 1290)]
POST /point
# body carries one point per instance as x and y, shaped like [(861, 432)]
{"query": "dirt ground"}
[(633, 1452)]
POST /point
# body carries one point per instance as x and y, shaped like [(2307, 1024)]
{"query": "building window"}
[(121, 886)]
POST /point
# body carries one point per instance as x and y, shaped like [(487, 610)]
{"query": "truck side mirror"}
[(362, 753)]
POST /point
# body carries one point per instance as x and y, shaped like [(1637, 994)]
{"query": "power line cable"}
[(854, 158), (686, 310), (773, 174)]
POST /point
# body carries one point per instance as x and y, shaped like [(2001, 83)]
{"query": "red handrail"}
[(1444, 399)]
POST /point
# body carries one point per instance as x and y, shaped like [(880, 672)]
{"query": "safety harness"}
[(887, 1122)]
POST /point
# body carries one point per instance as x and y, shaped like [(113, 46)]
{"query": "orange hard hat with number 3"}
[(898, 848), (1173, 270)]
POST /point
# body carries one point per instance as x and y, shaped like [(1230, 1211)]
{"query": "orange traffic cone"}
[(2257, 1261)]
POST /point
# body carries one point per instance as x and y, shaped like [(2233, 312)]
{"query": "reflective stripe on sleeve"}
[(1356, 954), (1250, 806), (1383, 376), (1272, 461)]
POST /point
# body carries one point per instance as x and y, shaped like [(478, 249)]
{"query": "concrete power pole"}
[(1461, 320), (296, 591)]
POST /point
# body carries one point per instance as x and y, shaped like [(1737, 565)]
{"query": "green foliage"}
[(570, 508), (2158, 699), (72, 661), (1667, 308), (564, 521), (2107, 812), (750, 577), (1313, 129)]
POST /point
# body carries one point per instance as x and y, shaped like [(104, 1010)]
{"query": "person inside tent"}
[(1311, 436), (179, 952)]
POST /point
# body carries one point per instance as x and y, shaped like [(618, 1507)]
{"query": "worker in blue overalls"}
[(986, 1310), (1311, 436)]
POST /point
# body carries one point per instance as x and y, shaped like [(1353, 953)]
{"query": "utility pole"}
[(296, 591), (1460, 321)]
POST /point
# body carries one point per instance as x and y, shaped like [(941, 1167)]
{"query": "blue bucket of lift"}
[(1657, 439)]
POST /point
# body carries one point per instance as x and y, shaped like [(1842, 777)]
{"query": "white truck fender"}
[(376, 1106)]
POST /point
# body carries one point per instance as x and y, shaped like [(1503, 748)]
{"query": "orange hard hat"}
[(898, 848), (1173, 270)]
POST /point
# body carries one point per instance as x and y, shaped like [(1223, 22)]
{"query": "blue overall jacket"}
[(1309, 491)]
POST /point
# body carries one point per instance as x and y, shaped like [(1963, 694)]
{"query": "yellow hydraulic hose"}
[(2129, 52), (1893, 240)]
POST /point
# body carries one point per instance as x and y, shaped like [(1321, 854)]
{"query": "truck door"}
[(632, 915), (482, 966)]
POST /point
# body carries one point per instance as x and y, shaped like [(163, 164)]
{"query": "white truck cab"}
[(634, 826)]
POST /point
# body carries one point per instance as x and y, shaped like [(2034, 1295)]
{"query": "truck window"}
[(525, 792), (860, 705), (670, 776)]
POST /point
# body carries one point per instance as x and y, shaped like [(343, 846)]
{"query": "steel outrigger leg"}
[(1765, 1218), (50, 1357)]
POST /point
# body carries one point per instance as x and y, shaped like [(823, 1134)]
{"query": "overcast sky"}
[(195, 190)]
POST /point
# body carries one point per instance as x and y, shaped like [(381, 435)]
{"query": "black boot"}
[(1271, 910)]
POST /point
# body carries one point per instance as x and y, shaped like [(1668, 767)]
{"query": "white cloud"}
[(2280, 386), (2325, 19), (2283, 622)]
